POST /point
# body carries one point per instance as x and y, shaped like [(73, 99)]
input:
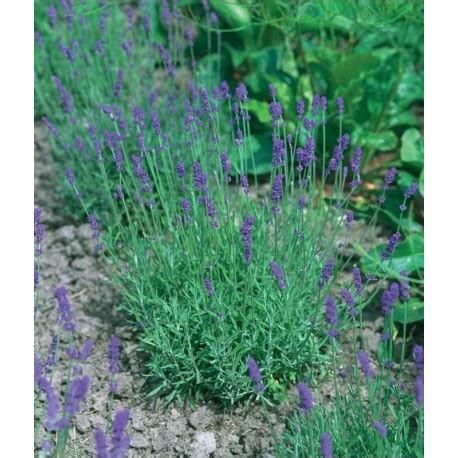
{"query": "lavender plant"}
[(215, 265)]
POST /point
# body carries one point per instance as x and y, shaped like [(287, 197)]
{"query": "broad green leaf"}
[(422, 182), (412, 147), (237, 55), (353, 67), (235, 14), (414, 311), (408, 256), (260, 109), (384, 141)]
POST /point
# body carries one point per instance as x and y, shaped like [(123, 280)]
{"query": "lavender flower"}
[(181, 171), (389, 177), (52, 14), (272, 90), (119, 193), (225, 166), (389, 298), (244, 184), (65, 96), (380, 428), (247, 242), (51, 401), (141, 173), (278, 153), (326, 445), (349, 217), (189, 36), (300, 108), (306, 155), (95, 226), (64, 309), (85, 350), (365, 365), (350, 301), (209, 287), (255, 374), (95, 142), (357, 281), (305, 397), (331, 310), (337, 157), (301, 203), (326, 273), (241, 93), (51, 359), (50, 126), (113, 354), (224, 91), (120, 441), (340, 105), (316, 104), (70, 177), (185, 205), (101, 446), (77, 393), (275, 111), (138, 116), (277, 272), (309, 124), (118, 84), (419, 390), (276, 193), (419, 358), (200, 178), (391, 246), (411, 190)]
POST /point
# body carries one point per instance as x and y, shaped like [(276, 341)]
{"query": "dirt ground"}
[(69, 259)]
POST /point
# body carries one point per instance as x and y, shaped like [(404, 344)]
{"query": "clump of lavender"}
[(305, 397), (277, 272), (326, 273), (255, 374), (393, 242), (247, 242)]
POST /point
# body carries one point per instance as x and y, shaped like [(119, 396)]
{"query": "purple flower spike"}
[(70, 177), (51, 399), (278, 153), (247, 242), (200, 178), (305, 397), (113, 354), (331, 310), (64, 309), (272, 90), (419, 390), (389, 177), (244, 184), (276, 193), (391, 246), (101, 446), (380, 428), (326, 273), (419, 358), (77, 393), (389, 299), (326, 445), (120, 441), (65, 96), (411, 190), (275, 111), (300, 108), (316, 104), (138, 116), (277, 272), (241, 93), (357, 281), (255, 374), (209, 287), (85, 350), (181, 171), (340, 105), (365, 365)]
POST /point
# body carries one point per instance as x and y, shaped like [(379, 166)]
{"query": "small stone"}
[(83, 423), (201, 418), (138, 440), (177, 426), (204, 445)]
